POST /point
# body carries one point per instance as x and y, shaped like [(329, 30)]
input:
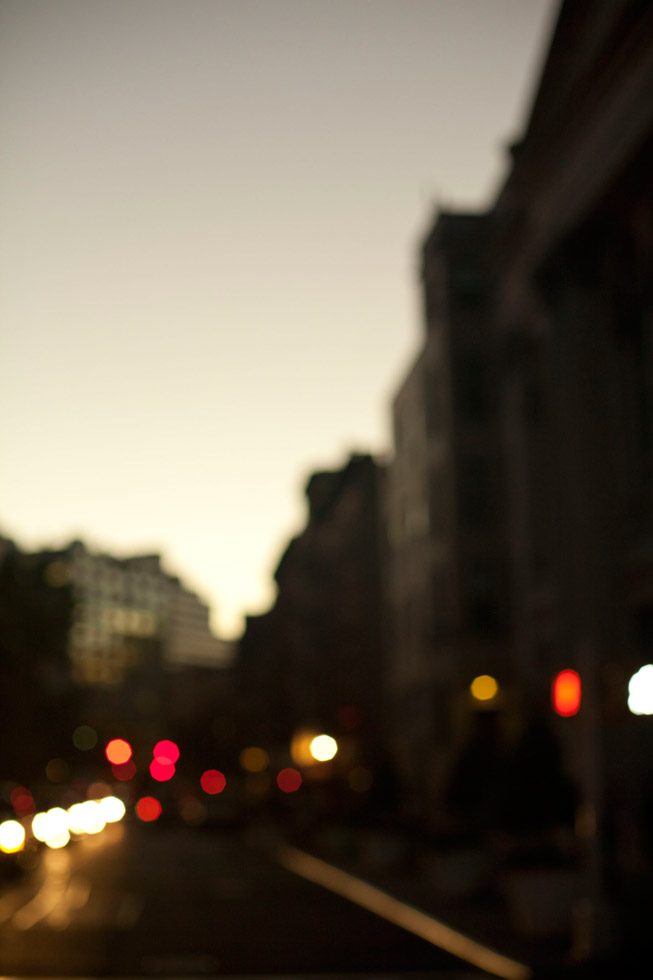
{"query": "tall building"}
[(316, 659), (572, 248), (445, 571), (520, 503), (130, 615)]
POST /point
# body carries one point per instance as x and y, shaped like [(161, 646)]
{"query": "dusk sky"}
[(210, 216)]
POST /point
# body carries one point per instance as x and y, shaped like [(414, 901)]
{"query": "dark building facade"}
[(37, 698), (445, 570), (572, 250), (315, 660), (520, 494)]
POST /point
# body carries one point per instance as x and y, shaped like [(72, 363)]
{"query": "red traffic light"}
[(566, 693)]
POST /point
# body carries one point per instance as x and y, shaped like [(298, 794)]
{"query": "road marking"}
[(399, 913)]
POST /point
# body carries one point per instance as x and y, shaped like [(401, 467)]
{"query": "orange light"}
[(566, 693), (148, 809), (300, 747), (213, 781), (254, 759), (289, 780), (118, 751)]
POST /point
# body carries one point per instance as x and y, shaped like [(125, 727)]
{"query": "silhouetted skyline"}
[(208, 250)]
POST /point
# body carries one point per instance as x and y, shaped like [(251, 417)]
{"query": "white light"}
[(323, 748), (76, 819), (12, 836), (113, 809), (39, 824), (52, 828), (640, 691), (86, 818)]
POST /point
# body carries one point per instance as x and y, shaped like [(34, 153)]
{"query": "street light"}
[(323, 748)]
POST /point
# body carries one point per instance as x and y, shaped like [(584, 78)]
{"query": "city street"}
[(161, 901)]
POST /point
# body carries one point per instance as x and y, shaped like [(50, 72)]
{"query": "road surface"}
[(160, 901)]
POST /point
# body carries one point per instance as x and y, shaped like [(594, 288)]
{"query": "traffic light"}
[(566, 693)]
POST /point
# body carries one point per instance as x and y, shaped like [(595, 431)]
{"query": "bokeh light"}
[(12, 836), (57, 771), (640, 691), (213, 781), (52, 827), (566, 693), (254, 759), (22, 801), (300, 747), (84, 738), (323, 748), (113, 809), (125, 772), (192, 811), (97, 790), (166, 751), (86, 818), (38, 826), (161, 771), (148, 809), (289, 780), (484, 688), (118, 751)]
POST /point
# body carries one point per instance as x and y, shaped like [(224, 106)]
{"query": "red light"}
[(350, 717), (22, 801), (148, 809), (161, 771), (289, 780), (166, 751), (118, 751), (566, 693), (125, 772), (213, 781)]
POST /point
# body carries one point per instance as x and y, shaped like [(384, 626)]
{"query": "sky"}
[(210, 220)]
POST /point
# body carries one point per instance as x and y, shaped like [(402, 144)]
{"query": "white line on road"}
[(406, 916)]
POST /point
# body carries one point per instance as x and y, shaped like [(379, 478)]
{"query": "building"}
[(445, 568), (519, 500), (572, 250), (189, 640), (315, 660), (37, 698), (130, 615)]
